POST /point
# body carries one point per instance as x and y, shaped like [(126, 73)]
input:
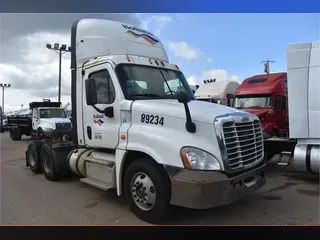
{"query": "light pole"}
[(267, 65), (3, 86), (60, 50)]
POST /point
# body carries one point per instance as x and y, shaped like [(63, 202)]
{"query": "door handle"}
[(89, 132)]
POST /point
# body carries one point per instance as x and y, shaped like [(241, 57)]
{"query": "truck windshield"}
[(144, 82), (253, 102), (52, 113)]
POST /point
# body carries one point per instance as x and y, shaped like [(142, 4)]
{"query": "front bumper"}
[(203, 190), (57, 133)]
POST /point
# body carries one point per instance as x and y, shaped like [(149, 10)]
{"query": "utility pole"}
[(3, 86), (60, 50), (267, 65)]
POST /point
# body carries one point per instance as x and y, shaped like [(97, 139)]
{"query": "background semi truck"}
[(155, 144), (266, 96), (303, 143), (42, 120), (221, 92)]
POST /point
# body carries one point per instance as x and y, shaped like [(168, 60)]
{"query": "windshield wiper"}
[(145, 95)]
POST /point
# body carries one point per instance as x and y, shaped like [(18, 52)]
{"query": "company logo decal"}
[(99, 122), (145, 36)]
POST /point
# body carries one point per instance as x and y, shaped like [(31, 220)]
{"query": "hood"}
[(257, 111), (55, 120), (200, 111)]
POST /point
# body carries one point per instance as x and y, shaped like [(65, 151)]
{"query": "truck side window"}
[(277, 105), (105, 88)]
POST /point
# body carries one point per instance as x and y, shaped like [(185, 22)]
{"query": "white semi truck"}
[(221, 92), (133, 133), (303, 144)]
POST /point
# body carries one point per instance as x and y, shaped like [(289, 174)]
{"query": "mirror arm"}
[(190, 126), (97, 109)]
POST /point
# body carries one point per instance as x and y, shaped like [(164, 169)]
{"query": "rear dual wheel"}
[(48, 163), (41, 160)]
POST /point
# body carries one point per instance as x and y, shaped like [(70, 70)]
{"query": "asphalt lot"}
[(26, 198)]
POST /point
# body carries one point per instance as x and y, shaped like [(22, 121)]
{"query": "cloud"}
[(32, 69), (218, 74), (184, 50), (155, 23)]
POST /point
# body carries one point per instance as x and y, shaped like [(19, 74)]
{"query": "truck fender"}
[(121, 157)]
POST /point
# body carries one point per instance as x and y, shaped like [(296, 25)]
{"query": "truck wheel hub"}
[(143, 191)]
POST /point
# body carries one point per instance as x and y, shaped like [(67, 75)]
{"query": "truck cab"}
[(48, 118), (221, 92), (138, 128), (266, 96)]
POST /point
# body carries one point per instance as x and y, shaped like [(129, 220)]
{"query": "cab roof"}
[(100, 37), (262, 84), (216, 90)]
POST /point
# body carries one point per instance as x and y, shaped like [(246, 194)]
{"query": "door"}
[(35, 119), (101, 131)]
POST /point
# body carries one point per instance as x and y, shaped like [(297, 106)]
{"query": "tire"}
[(15, 134), (48, 163), (159, 211), (33, 156)]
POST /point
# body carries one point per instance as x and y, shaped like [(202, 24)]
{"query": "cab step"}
[(283, 154), (100, 170), (97, 184)]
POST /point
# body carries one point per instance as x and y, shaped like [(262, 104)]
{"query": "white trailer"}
[(303, 146), (137, 128), (221, 92)]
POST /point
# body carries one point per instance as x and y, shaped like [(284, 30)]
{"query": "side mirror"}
[(183, 97), (108, 112), (91, 92)]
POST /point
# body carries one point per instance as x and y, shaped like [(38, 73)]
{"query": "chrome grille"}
[(63, 126), (243, 142)]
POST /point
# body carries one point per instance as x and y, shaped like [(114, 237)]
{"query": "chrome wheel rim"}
[(32, 157), (143, 191), (46, 162)]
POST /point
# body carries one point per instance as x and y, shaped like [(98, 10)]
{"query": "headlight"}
[(194, 158)]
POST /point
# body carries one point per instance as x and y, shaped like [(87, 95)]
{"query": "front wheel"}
[(147, 188)]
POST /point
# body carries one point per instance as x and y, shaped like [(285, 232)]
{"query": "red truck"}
[(266, 96)]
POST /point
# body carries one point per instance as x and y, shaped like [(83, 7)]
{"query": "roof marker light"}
[(177, 67), (156, 62), (128, 58), (162, 64), (150, 61)]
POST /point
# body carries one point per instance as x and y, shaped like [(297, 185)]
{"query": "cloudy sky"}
[(222, 46)]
